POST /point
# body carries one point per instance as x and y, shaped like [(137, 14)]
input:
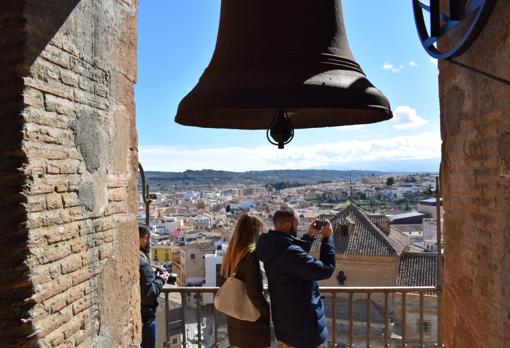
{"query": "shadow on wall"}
[(23, 36)]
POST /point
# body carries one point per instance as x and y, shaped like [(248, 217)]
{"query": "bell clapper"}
[(280, 130)]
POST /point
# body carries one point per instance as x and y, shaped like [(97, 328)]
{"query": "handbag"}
[(232, 299)]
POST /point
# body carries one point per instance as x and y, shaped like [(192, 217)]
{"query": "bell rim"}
[(301, 118)]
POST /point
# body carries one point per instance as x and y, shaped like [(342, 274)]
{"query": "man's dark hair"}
[(143, 231), (284, 214)]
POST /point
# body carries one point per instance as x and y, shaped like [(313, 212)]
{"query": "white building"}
[(213, 269), (202, 221), (190, 195), (390, 193)]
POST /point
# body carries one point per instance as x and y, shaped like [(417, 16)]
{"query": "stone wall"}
[(475, 128), (364, 270), (69, 274)]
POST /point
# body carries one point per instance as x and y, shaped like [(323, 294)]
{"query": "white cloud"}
[(387, 66), (413, 64), (406, 117), (433, 61), (390, 67), (347, 153)]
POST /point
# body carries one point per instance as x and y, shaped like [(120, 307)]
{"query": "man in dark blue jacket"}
[(150, 288), (296, 305)]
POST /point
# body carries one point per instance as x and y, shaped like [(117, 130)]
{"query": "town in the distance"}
[(385, 230)]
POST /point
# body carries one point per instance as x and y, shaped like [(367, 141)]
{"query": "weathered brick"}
[(59, 105), (36, 203), (76, 247), (55, 252), (80, 337), (55, 338), (47, 324), (101, 91), (56, 287), (56, 55), (33, 97), (82, 304), (54, 88), (90, 99), (57, 303), (105, 251), (71, 263), (69, 78), (73, 326), (116, 208), (70, 199), (85, 84), (48, 218), (82, 275), (61, 187), (74, 294), (51, 169), (39, 187), (54, 201), (44, 118)]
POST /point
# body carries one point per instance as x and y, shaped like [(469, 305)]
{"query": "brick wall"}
[(475, 128), (69, 274)]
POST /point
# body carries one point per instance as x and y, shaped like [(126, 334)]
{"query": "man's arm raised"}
[(307, 267)]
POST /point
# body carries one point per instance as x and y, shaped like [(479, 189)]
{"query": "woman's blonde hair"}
[(243, 242)]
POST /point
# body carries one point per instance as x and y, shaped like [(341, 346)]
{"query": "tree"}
[(410, 179), (390, 181), (201, 205)]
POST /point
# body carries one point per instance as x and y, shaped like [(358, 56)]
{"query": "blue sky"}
[(176, 41)]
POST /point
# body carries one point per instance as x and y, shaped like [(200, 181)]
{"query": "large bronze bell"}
[(282, 57)]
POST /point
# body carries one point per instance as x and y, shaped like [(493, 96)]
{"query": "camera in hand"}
[(172, 277), (320, 224)]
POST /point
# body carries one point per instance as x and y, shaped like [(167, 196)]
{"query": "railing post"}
[(404, 323), (386, 334), (350, 319), (421, 319), (199, 318), (369, 318), (183, 313), (334, 319), (215, 327), (167, 321)]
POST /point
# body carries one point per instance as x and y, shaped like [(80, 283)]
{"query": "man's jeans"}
[(149, 334)]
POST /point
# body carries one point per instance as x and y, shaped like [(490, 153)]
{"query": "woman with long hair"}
[(240, 259)]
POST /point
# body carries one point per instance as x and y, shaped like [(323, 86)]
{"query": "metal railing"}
[(392, 305)]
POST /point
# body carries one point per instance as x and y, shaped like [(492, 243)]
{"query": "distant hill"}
[(217, 177)]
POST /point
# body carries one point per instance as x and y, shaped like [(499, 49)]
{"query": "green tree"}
[(390, 181)]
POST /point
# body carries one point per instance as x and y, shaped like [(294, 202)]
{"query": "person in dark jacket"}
[(240, 259), (296, 305), (150, 288)]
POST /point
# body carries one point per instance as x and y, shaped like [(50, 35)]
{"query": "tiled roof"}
[(359, 310), (417, 269), (379, 218), (365, 238)]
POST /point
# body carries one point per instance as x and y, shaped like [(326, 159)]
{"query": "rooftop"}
[(417, 269), (365, 238)]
